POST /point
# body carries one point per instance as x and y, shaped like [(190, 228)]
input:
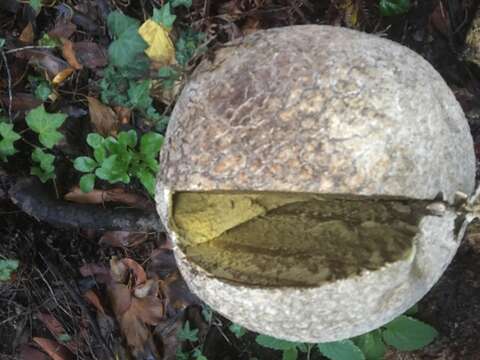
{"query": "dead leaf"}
[(62, 76), (177, 293), (46, 61), (57, 330), (21, 102), (168, 332), (93, 299), (63, 30), (149, 288), (162, 263), (28, 352), (100, 272), (149, 309), (137, 270), (27, 36), (123, 238), (103, 118), (92, 197), (120, 298), (55, 350), (123, 114), (69, 54), (161, 49), (90, 54), (118, 270)]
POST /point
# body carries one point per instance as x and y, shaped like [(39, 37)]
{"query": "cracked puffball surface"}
[(288, 159)]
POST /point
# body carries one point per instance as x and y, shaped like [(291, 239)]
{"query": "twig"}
[(9, 81), (29, 47)]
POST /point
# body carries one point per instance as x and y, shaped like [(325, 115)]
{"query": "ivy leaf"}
[(84, 164), (46, 170), (150, 144), (341, 350), (274, 343), (186, 333), (371, 345), (118, 23), (139, 94), (186, 3), (123, 51), (87, 182), (407, 334), (238, 330), (290, 354), (164, 16), (168, 75), (46, 125), (186, 45), (394, 7), (43, 91), (7, 267), (36, 5), (7, 138)]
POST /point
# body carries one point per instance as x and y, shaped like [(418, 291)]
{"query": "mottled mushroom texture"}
[(284, 239)]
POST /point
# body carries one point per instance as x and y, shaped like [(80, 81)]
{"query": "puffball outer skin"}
[(320, 109)]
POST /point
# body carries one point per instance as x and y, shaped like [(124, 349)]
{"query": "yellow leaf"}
[(161, 49)]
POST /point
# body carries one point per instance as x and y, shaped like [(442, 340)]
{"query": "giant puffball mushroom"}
[(308, 181)]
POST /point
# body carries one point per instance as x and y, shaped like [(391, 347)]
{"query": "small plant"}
[(190, 335), (403, 333), (118, 159), (394, 7), (7, 268)]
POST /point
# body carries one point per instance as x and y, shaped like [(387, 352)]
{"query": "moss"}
[(292, 239)]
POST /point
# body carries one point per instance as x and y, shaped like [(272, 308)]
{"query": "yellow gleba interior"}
[(292, 239)]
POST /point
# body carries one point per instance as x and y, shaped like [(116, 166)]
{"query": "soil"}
[(49, 279)]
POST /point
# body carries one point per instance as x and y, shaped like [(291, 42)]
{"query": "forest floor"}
[(62, 298)]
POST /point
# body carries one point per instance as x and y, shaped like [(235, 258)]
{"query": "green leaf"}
[(238, 330), (341, 350), (64, 338), (48, 41), (274, 343), (46, 125), (36, 5), (43, 91), (197, 354), (290, 354), (118, 23), (147, 179), (407, 334), (186, 3), (7, 138), (95, 140), (186, 45), (46, 170), (84, 164), (128, 138), (164, 16), (394, 7), (139, 94), (87, 182), (7, 267), (412, 311), (168, 75), (371, 345), (2, 42), (150, 144), (161, 124), (100, 154), (186, 333), (124, 51)]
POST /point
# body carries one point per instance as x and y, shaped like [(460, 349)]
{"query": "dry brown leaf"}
[(120, 298), (92, 197), (149, 309), (69, 54), (103, 118), (137, 270), (55, 350), (21, 102), (177, 293), (28, 352), (63, 30), (123, 238), (52, 324), (90, 54), (118, 270), (149, 288), (134, 200), (135, 331), (123, 114), (162, 263), (169, 334), (93, 299), (62, 76), (46, 61), (27, 36), (101, 273)]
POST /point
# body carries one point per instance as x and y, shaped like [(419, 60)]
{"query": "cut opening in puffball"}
[(293, 239)]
